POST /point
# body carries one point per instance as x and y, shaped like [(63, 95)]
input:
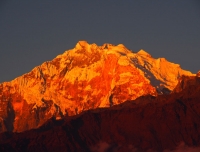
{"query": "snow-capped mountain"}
[(85, 77)]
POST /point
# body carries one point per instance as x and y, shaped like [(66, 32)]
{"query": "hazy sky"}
[(34, 31)]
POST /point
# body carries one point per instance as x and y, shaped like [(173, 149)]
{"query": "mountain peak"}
[(143, 52), (86, 77), (81, 44)]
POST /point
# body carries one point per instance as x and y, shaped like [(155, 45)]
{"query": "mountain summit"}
[(85, 77)]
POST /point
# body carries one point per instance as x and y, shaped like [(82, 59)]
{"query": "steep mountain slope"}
[(151, 123), (186, 82), (86, 77)]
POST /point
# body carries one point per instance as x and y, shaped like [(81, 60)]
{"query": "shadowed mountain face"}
[(187, 81), (85, 77), (159, 123)]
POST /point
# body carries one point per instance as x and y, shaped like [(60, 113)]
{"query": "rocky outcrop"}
[(187, 82), (86, 77), (198, 74), (148, 123)]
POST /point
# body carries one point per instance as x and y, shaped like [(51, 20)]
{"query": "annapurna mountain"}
[(85, 77)]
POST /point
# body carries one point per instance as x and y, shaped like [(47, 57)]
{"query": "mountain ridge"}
[(85, 77)]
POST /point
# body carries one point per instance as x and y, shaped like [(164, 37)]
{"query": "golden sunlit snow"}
[(91, 76)]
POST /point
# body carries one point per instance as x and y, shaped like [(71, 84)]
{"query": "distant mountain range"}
[(101, 96)]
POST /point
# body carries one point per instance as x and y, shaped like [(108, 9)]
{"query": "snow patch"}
[(124, 78), (88, 87), (123, 60), (81, 74)]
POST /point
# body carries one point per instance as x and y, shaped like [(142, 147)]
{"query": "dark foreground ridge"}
[(148, 123)]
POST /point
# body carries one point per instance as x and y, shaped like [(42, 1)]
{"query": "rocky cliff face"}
[(86, 77)]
